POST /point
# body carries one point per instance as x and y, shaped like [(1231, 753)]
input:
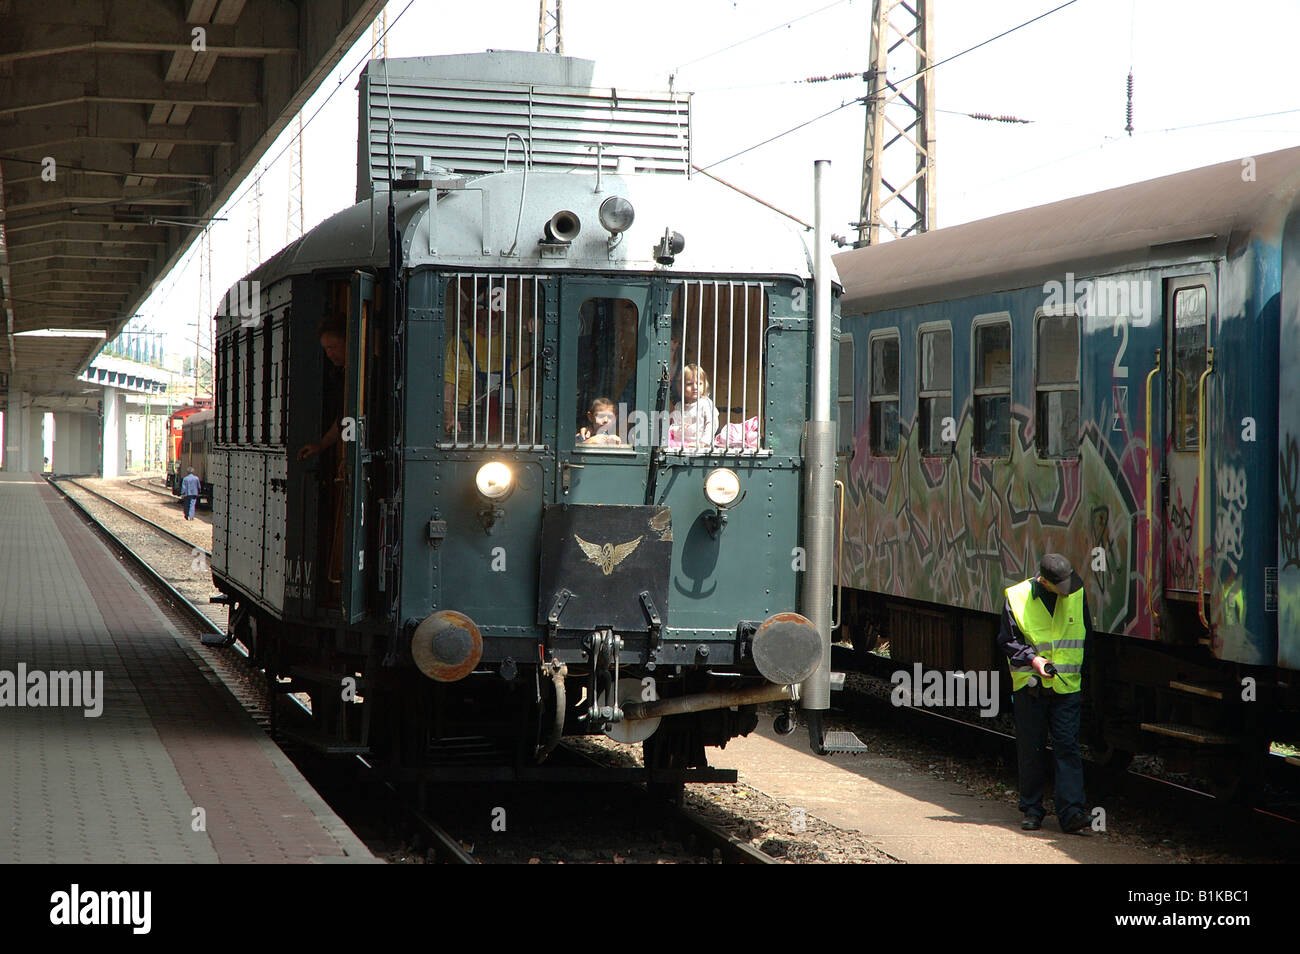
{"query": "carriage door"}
[(1189, 310), (355, 454), (606, 331)]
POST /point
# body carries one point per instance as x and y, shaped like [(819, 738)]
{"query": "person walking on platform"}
[(1045, 632), (190, 490)]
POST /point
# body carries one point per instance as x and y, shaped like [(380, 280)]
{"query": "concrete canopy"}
[(118, 136)]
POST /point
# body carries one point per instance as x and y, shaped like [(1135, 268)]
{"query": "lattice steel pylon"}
[(293, 226), (910, 116), (379, 34), (550, 27), (253, 246)]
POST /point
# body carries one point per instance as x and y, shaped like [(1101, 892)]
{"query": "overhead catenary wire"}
[(893, 83), (190, 256), (748, 39)]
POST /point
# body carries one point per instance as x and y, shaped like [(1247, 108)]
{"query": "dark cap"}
[(1055, 569)]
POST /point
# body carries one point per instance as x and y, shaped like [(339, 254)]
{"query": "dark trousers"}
[(1036, 716), (190, 501)]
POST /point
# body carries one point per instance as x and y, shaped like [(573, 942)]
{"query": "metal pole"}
[(819, 466)]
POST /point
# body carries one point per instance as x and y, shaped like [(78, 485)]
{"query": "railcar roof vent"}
[(456, 111)]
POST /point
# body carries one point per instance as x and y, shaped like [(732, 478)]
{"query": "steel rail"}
[(189, 544), (153, 576)]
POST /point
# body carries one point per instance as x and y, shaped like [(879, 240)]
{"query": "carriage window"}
[(233, 359), (221, 398), (716, 365), (250, 387), (845, 427), (884, 396), (993, 389), (265, 346), (934, 397), (1057, 397), (490, 393), (1190, 339), (608, 332)]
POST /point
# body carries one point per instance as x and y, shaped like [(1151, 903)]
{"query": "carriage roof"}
[(1177, 215), (724, 232)]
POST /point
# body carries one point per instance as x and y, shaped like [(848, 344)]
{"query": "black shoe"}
[(1075, 823), (1031, 823)]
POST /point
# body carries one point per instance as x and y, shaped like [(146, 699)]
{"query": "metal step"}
[(840, 742), (1190, 733), (1197, 690)]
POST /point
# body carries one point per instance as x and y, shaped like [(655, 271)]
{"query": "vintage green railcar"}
[(534, 469)]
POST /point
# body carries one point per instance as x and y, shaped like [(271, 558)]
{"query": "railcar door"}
[(1189, 310), (605, 399), (355, 453)]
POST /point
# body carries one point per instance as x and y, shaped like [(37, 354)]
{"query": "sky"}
[(1198, 73)]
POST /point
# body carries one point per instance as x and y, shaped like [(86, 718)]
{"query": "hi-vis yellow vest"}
[(1057, 637)]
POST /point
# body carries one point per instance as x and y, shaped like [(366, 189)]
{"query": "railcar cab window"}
[(846, 426), (715, 364), (608, 336), (884, 395), (992, 357), (1190, 340), (1057, 387), (490, 391), (934, 394)]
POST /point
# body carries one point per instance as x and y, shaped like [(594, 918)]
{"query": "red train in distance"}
[(175, 424)]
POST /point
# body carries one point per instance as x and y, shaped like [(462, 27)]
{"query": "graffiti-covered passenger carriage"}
[(1111, 377), (534, 468)]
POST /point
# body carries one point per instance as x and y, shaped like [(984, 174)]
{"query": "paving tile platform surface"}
[(172, 769), (908, 814)]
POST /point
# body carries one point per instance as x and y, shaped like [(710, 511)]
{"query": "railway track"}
[(353, 782), (148, 483), (170, 534)]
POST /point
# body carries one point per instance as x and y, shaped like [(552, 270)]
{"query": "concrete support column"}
[(18, 445), (71, 429), (90, 444), (114, 440), (36, 440)]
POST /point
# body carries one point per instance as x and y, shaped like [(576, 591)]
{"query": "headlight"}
[(494, 480), (616, 214), (722, 487)]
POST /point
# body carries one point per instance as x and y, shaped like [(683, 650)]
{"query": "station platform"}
[(160, 764), (911, 816)]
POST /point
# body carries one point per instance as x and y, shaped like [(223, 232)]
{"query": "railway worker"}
[(1045, 628), (332, 332), (191, 487)]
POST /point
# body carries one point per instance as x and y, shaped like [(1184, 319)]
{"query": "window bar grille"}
[(744, 379), (762, 358), (455, 401), (504, 377), (731, 356), (472, 320), (713, 381)]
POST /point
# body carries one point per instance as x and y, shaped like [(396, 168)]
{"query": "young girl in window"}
[(694, 420)]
